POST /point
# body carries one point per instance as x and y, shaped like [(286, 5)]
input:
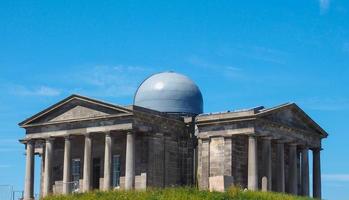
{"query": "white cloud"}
[(326, 103), (324, 6), (335, 177), (109, 81), (95, 81), (226, 70), (5, 166), (260, 53), (34, 91), (4, 141)]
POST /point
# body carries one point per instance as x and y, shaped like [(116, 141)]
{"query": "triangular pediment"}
[(79, 112), (75, 107), (292, 116)]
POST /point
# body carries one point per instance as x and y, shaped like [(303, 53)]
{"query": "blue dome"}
[(170, 92)]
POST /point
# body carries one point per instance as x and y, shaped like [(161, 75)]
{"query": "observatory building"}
[(165, 139)]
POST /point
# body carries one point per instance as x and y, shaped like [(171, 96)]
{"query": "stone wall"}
[(169, 150), (222, 157), (239, 160)]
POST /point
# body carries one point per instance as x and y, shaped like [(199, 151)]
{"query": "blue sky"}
[(241, 53)]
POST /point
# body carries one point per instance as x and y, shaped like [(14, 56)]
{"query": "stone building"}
[(165, 140)]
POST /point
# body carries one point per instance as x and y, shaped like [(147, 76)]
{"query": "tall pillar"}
[(130, 161), (29, 171), (48, 167), (42, 166), (107, 162), (252, 182), (87, 164), (66, 166), (266, 154), (203, 163), (280, 166), (316, 173), (305, 172), (292, 170)]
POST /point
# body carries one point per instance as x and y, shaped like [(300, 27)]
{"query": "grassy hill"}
[(177, 194)]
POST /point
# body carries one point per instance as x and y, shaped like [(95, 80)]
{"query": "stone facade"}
[(259, 144), (153, 149)]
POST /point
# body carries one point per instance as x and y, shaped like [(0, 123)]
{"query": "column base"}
[(220, 183)]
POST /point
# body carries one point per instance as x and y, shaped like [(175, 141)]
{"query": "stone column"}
[(252, 182), (280, 166), (29, 171), (87, 163), (203, 163), (266, 154), (292, 170), (305, 172), (130, 161), (48, 166), (316, 173), (66, 166), (107, 162), (42, 166)]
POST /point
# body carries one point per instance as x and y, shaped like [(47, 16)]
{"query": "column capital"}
[(304, 147), (316, 149), (107, 133), (31, 141), (251, 135), (87, 134), (266, 137), (280, 141), (293, 144), (67, 137), (49, 139)]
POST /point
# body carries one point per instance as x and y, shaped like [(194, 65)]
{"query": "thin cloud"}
[(226, 70), (5, 166), (10, 150), (22, 90), (96, 81), (326, 104), (336, 177), (261, 53), (324, 6), (8, 141), (109, 80), (10, 145)]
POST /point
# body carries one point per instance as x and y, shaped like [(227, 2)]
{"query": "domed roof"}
[(169, 92)]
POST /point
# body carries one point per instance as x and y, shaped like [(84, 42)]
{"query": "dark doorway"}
[(96, 172)]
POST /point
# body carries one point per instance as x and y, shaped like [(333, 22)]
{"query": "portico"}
[(165, 140), (66, 184), (263, 133), (96, 154)]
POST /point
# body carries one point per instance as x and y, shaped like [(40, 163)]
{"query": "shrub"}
[(179, 193)]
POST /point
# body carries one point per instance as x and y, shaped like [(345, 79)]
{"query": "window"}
[(76, 170), (116, 171)]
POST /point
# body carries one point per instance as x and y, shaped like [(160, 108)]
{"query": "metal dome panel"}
[(169, 92)]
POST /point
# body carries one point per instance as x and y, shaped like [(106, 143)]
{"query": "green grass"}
[(177, 194)]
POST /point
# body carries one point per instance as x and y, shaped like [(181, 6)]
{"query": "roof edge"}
[(67, 99)]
